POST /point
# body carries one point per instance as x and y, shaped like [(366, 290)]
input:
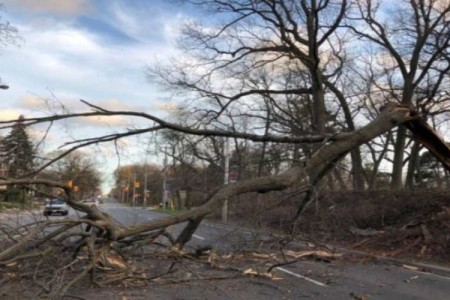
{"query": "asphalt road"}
[(338, 279)]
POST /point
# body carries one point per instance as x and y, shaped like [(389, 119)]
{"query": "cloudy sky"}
[(86, 49)]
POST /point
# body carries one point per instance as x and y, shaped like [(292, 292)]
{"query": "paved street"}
[(321, 280), (338, 279)]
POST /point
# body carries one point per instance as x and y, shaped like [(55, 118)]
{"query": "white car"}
[(91, 201), (55, 206)]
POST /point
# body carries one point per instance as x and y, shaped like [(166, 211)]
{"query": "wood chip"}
[(412, 268), (316, 254)]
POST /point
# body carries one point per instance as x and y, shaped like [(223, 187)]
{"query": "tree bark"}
[(397, 166), (355, 154), (412, 165)]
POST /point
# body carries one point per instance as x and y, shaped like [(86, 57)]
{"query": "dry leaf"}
[(10, 275), (252, 272), (262, 255), (110, 260), (319, 254), (117, 262)]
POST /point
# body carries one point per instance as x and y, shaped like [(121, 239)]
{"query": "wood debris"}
[(313, 254), (112, 260), (251, 272), (412, 268)]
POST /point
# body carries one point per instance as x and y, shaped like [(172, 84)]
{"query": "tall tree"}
[(266, 61), (8, 35), (79, 168), (17, 151), (259, 36), (125, 175), (414, 43)]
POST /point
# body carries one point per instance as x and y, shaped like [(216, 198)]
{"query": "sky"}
[(97, 50)]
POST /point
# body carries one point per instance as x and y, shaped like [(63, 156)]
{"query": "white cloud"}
[(108, 121), (39, 134), (9, 114), (31, 102), (61, 63), (60, 7), (166, 106)]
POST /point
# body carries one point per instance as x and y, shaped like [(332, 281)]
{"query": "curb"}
[(422, 267), (403, 263)]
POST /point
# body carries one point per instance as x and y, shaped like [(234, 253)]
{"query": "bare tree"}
[(414, 45), (79, 168), (278, 38), (8, 35)]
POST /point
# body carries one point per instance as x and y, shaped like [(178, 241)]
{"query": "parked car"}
[(55, 206), (91, 201)]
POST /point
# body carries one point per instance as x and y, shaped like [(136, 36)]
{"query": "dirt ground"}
[(413, 224)]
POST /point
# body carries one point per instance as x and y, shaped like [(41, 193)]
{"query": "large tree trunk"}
[(397, 165), (412, 165), (296, 176), (320, 113), (427, 136), (355, 154)]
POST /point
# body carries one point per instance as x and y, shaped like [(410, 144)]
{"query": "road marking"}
[(434, 274), (301, 276), (198, 237)]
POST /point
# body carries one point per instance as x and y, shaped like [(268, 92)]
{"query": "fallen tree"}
[(102, 242), (297, 70)]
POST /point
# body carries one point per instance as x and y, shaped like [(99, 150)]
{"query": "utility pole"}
[(134, 189), (145, 183), (226, 153), (164, 195), (146, 192)]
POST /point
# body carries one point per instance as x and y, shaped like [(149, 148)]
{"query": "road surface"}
[(338, 279)]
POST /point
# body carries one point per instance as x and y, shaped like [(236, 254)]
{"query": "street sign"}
[(169, 186), (233, 174)]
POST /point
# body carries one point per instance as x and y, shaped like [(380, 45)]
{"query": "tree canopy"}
[(17, 151), (312, 80)]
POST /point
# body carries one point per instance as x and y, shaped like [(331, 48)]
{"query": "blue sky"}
[(85, 49), (94, 50)]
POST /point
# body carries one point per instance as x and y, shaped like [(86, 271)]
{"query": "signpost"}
[(233, 173), (226, 153)]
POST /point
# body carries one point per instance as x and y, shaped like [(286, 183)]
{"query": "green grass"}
[(17, 205)]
